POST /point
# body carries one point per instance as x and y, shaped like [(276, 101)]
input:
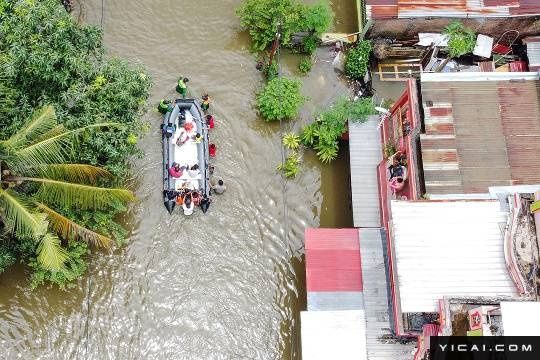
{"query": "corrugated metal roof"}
[(380, 345), (448, 248), (486, 135), (521, 318), (335, 300), (391, 9), (533, 52), (365, 155), (332, 260), (333, 335)]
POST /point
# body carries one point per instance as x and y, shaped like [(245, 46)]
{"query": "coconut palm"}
[(35, 179)]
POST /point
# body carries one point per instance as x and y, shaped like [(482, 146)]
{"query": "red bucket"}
[(212, 150)]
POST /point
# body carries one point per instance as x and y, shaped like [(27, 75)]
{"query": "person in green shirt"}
[(165, 106), (182, 86)]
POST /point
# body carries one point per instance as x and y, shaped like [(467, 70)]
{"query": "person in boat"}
[(188, 205), (181, 87), (205, 102), (210, 121), (194, 171), (218, 186), (164, 106), (197, 138), (205, 203), (168, 130), (176, 170), (182, 137), (196, 198)]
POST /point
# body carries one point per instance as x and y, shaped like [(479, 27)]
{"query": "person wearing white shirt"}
[(188, 206), (194, 171)]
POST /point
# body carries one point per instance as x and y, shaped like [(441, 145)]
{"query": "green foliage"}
[(291, 141), (280, 99), (7, 256), (75, 267), (317, 18), (263, 18), (305, 65), (309, 44), (357, 60), (46, 57), (323, 135), (461, 40), (291, 166), (271, 71)]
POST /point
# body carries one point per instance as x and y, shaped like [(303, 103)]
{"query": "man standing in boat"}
[(182, 86)]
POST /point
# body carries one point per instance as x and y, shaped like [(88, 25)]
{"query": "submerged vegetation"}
[(64, 157), (280, 99)]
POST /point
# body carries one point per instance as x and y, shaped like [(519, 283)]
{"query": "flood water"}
[(225, 285)]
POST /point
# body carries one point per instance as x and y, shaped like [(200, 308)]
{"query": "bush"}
[(323, 135), (280, 99), (305, 65), (461, 40), (7, 256), (309, 45), (261, 18), (317, 18), (74, 268), (291, 166), (271, 71), (291, 141), (357, 60)]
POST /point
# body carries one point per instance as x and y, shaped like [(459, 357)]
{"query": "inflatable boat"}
[(185, 145)]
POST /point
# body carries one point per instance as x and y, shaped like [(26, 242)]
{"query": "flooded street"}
[(225, 285)]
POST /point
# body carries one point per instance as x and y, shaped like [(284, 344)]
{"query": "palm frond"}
[(51, 150), (81, 196), (50, 253), (78, 173), (20, 219), (68, 229), (42, 121)]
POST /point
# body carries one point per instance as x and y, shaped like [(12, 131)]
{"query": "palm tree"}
[(35, 179)]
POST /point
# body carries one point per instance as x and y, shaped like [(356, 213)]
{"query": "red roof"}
[(333, 260)]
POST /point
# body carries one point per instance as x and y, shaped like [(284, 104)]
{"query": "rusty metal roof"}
[(388, 9), (480, 134)]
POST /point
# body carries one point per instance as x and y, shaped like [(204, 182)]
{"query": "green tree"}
[(357, 60), (280, 99), (263, 18), (35, 180)]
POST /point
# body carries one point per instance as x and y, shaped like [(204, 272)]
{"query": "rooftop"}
[(447, 248), (514, 314), (480, 131), (401, 9)]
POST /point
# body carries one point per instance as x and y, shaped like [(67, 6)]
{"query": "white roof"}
[(333, 335), (365, 155), (521, 318), (448, 248)]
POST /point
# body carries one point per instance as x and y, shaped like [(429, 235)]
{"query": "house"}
[(404, 19)]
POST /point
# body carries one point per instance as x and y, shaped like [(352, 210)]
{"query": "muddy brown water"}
[(226, 285)]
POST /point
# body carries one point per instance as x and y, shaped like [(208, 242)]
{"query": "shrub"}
[(317, 18), (291, 141), (323, 135), (280, 99), (357, 60), (7, 255), (261, 18), (271, 71), (389, 150), (461, 40), (305, 65), (309, 44), (291, 166)]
